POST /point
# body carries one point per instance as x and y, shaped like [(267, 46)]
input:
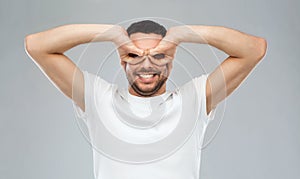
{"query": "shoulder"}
[(92, 79), (196, 83)]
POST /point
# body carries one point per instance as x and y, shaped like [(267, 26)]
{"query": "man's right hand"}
[(123, 43)]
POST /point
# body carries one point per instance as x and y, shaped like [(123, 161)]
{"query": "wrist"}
[(174, 35), (108, 33), (116, 34), (199, 34), (190, 34)]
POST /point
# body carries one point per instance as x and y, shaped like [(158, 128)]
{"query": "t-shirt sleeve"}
[(93, 86), (200, 86), (89, 81)]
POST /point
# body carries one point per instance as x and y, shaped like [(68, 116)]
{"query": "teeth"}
[(146, 76)]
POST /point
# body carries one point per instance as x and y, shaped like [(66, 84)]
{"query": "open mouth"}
[(147, 78)]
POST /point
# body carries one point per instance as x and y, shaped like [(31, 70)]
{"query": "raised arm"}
[(46, 50), (244, 51)]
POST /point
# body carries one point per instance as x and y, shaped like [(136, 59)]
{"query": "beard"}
[(144, 87), (150, 91)]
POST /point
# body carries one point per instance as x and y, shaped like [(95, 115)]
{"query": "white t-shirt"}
[(102, 104)]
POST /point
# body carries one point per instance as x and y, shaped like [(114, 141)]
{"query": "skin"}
[(47, 49), (137, 86), (244, 53)]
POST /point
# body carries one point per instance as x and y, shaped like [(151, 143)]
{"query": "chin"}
[(148, 90), (145, 91)]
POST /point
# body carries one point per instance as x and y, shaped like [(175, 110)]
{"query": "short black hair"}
[(147, 27)]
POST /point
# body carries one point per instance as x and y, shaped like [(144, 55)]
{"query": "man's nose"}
[(147, 63)]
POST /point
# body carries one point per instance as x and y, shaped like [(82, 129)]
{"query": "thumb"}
[(158, 49), (133, 49)]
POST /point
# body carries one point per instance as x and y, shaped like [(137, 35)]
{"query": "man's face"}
[(146, 78)]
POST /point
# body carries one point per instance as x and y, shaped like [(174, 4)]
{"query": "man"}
[(146, 51)]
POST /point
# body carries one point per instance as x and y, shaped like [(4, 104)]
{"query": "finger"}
[(162, 47), (133, 61), (133, 49), (157, 50)]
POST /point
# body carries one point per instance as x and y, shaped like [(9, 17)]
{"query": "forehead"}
[(145, 41)]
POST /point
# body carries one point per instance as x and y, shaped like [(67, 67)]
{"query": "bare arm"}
[(46, 49), (244, 51)]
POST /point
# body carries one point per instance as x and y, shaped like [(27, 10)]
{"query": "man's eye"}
[(132, 55), (159, 56)]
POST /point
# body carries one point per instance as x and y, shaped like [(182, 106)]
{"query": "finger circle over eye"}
[(139, 52), (158, 56), (133, 55)]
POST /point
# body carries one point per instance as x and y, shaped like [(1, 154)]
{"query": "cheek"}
[(164, 71), (129, 69), (169, 67)]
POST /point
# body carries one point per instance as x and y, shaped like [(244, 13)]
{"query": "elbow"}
[(32, 46), (29, 44), (260, 48)]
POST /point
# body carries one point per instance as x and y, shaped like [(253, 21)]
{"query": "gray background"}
[(259, 137)]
